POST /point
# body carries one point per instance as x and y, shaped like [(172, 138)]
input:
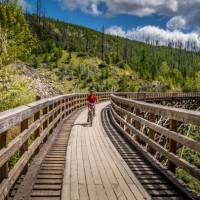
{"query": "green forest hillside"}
[(73, 58), (46, 57), (174, 68)]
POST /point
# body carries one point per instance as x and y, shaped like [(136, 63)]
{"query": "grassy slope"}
[(15, 91), (83, 72), (79, 74)]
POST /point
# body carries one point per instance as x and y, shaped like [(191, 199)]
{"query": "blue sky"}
[(164, 20), (54, 9)]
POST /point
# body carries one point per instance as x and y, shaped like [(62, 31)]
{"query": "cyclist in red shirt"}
[(92, 99)]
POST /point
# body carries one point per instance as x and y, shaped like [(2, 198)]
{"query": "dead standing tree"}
[(103, 43), (39, 10)]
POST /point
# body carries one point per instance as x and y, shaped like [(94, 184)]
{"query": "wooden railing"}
[(24, 129), (31, 125), (147, 96), (139, 121)]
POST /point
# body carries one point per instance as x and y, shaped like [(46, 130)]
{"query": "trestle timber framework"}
[(143, 122)]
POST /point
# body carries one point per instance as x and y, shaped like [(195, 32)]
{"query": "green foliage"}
[(190, 156), (193, 183), (14, 92), (150, 62), (164, 69), (19, 42), (13, 160), (192, 83), (127, 65), (143, 68)]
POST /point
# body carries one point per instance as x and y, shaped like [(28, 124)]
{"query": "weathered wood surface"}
[(178, 114), (36, 120), (44, 177), (184, 140), (121, 111), (94, 169), (149, 96), (149, 179)]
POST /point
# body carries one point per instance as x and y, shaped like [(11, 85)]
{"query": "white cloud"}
[(95, 10), (177, 22), (23, 4), (86, 6), (175, 9), (153, 34), (117, 31)]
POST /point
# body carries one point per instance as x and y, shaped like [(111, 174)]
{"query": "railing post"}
[(119, 113), (72, 104), (76, 102), (24, 148), (172, 145), (54, 106), (137, 124), (67, 107), (151, 134), (45, 124), (79, 101), (129, 119), (38, 131), (63, 108), (51, 117), (4, 168), (59, 110)]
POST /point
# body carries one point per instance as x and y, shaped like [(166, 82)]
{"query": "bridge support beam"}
[(38, 131), (24, 148), (137, 125), (172, 144), (152, 118), (4, 168)]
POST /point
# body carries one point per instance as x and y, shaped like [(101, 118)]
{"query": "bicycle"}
[(90, 113)]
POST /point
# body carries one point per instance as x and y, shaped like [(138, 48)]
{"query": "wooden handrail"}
[(148, 96), (129, 116), (182, 115), (38, 119), (160, 129)]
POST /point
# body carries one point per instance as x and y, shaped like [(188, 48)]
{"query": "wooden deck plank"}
[(122, 177), (108, 169), (94, 170), (122, 164), (90, 181), (74, 167), (107, 185), (67, 172), (81, 172)]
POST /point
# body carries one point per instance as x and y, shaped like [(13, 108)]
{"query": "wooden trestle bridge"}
[(132, 151)]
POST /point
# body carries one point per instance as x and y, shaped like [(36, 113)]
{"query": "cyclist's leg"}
[(88, 116), (93, 109)]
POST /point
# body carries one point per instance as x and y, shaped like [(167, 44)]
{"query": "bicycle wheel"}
[(91, 119)]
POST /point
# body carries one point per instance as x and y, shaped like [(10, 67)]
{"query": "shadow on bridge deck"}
[(94, 169)]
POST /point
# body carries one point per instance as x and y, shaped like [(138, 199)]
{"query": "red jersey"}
[(92, 98)]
